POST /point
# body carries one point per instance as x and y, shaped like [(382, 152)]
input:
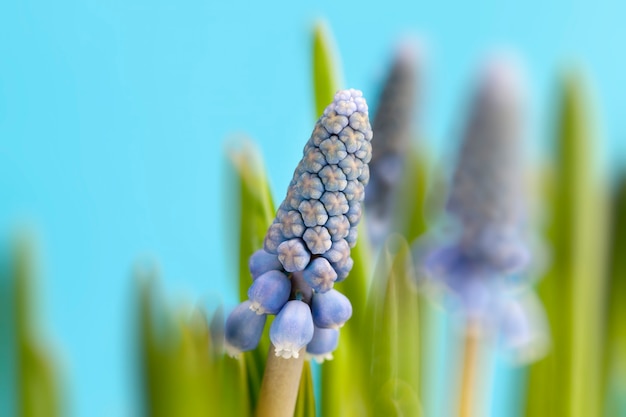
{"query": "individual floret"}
[(313, 213), (243, 329), (330, 309), (269, 292), (261, 261), (324, 342), (293, 255), (320, 275), (317, 239), (292, 329)]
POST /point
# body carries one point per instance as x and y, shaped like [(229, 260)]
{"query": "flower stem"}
[(279, 389), (469, 377)]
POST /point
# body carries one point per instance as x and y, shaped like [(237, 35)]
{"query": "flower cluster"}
[(393, 126), (482, 260), (307, 248)]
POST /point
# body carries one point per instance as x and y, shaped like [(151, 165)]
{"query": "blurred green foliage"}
[(567, 382)]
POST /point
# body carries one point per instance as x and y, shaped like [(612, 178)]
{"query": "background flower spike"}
[(393, 124)]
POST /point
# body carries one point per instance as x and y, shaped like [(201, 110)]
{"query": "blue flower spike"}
[(292, 329), (243, 329), (307, 248), (269, 292), (324, 342)]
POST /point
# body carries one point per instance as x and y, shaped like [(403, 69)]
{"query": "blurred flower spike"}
[(483, 258), (307, 248)]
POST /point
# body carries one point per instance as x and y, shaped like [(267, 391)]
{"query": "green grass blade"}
[(305, 404), (326, 68), (567, 381), (255, 211), (615, 348), (394, 326), (38, 391)]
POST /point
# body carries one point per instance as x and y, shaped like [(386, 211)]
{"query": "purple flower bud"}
[(273, 238), (364, 177), (317, 239), (309, 186), (333, 178), (365, 152), (243, 329), (330, 309), (292, 329), (313, 213), (292, 224), (354, 191), (320, 275), (269, 292), (352, 139), (338, 252), (293, 255), (334, 122), (354, 214), (313, 161), (338, 227), (360, 122), (343, 269), (260, 262), (352, 237), (322, 345), (352, 167), (335, 203), (333, 149), (319, 134)]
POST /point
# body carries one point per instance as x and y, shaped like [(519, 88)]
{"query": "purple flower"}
[(292, 329), (322, 345), (330, 309), (320, 275), (269, 292), (243, 329), (260, 262)]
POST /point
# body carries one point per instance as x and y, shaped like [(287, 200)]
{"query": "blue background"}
[(114, 116)]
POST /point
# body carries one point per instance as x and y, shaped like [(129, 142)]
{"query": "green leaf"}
[(394, 320), (38, 391), (567, 381), (255, 210), (410, 218), (184, 371), (326, 68), (305, 404), (615, 349)]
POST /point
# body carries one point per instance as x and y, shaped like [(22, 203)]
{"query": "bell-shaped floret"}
[(292, 329), (269, 292), (330, 309), (322, 345), (243, 329), (320, 275), (261, 261)]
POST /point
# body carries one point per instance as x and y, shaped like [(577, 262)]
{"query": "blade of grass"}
[(326, 67), (566, 382), (38, 391)]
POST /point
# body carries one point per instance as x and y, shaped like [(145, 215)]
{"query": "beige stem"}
[(279, 389), (470, 366)]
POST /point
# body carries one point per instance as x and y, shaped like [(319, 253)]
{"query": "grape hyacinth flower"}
[(483, 260), (307, 247), (393, 126)]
